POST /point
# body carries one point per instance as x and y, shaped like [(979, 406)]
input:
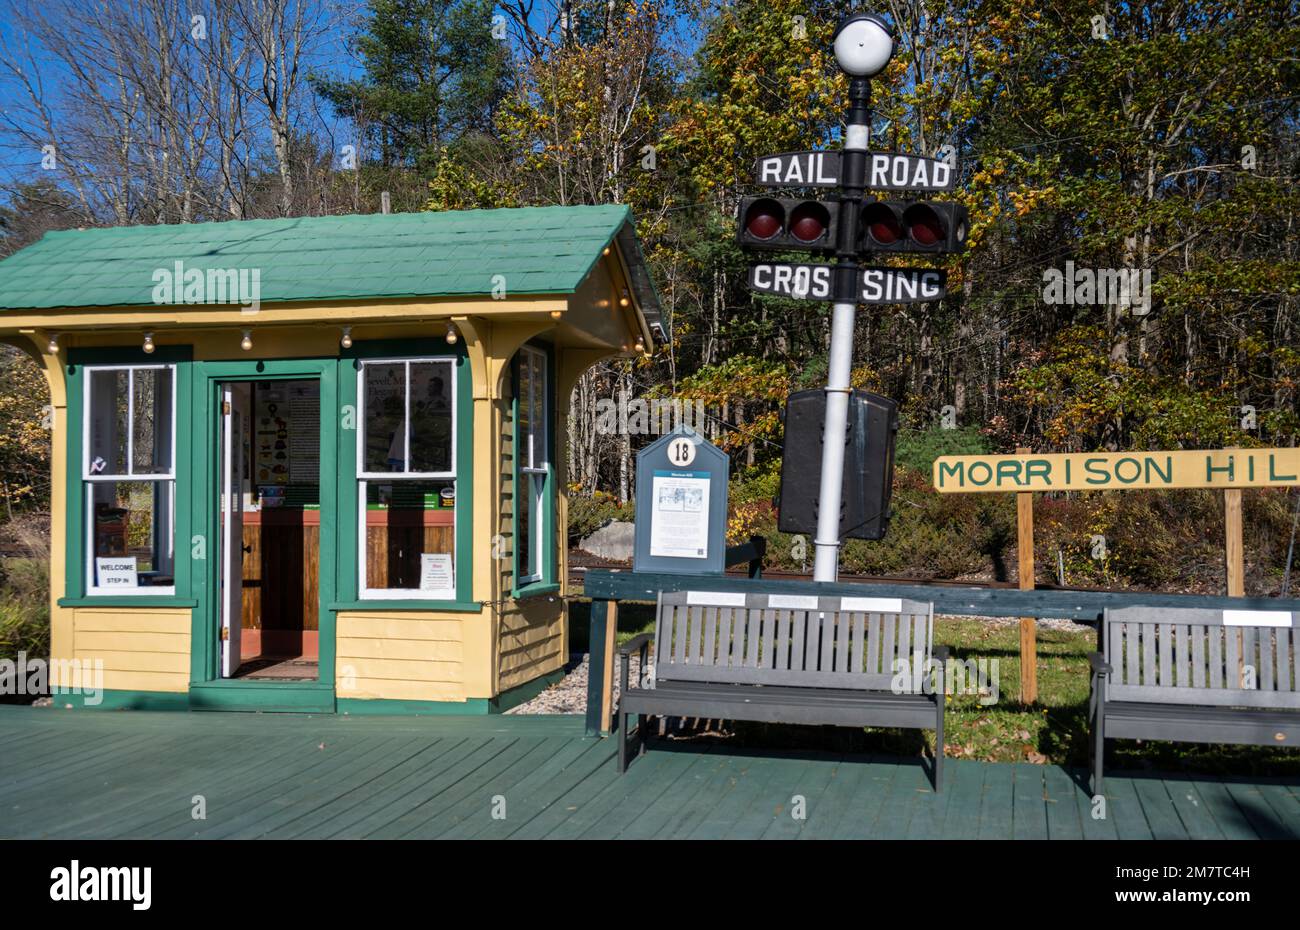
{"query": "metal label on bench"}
[(793, 601), (716, 598), (1256, 618), (872, 605)]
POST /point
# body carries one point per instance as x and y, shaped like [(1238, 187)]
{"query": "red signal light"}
[(923, 224), (764, 219), (809, 221), (881, 224)]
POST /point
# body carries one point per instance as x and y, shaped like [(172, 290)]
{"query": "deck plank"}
[(965, 781), (1061, 792), (1029, 805), (134, 774)]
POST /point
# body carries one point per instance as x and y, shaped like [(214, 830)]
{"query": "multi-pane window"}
[(406, 468), (129, 475), (534, 465)]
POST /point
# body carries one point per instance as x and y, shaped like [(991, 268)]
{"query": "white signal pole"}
[(864, 44)]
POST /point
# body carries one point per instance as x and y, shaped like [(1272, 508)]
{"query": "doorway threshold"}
[(261, 695)]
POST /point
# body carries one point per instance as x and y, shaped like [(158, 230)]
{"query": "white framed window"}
[(406, 477), (128, 471), (534, 460)]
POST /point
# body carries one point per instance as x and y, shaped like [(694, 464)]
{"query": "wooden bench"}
[(1194, 675), (786, 659)]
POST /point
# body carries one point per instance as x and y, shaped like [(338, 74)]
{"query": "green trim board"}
[(456, 607), (204, 438), (262, 696), (547, 580), (348, 537), (358, 707), (118, 600), (520, 694), (127, 700), (535, 589), (75, 526)]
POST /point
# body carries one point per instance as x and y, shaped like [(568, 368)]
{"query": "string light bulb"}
[(556, 314), (346, 341), (452, 336), (247, 342), (148, 344), (54, 344)]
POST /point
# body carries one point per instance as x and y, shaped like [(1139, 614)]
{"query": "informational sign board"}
[(886, 171), (876, 285), (116, 572), (436, 572), (681, 505), (1118, 471)]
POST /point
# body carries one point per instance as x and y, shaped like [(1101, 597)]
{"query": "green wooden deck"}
[(106, 774)]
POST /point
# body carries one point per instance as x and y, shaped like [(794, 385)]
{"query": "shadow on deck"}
[(82, 774)]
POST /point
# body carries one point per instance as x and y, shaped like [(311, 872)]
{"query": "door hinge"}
[(225, 408), (225, 633)]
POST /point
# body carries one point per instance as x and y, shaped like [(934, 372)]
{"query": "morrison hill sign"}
[(1118, 471)]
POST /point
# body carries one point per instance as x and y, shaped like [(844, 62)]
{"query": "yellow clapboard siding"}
[(379, 626), (101, 642), (176, 663), (145, 681), (378, 689), (96, 620), (399, 670), (426, 650), (513, 676)]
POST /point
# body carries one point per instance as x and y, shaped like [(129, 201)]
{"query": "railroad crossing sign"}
[(806, 281), (886, 171)]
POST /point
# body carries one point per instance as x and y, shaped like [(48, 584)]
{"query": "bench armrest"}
[(639, 643), (1099, 664), (635, 643)]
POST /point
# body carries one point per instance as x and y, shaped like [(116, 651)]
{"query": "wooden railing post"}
[(1025, 573), (600, 646)]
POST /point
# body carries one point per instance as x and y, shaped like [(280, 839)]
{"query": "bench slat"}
[(1284, 660), (843, 623), (1266, 660), (859, 642), (1198, 655), (1216, 655)]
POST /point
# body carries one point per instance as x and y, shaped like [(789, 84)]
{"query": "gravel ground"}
[(569, 695)]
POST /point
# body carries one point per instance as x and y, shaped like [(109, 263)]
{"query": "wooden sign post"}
[(1234, 551), (1229, 470), (1025, 573)]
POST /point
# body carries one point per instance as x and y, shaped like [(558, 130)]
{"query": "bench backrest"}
[(796, 640), (1232, 658)]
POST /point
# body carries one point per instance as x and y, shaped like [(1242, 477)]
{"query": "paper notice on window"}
[(116, 572), (679, 522), (436, 572)]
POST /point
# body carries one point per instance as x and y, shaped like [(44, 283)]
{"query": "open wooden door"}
[(234, 416)]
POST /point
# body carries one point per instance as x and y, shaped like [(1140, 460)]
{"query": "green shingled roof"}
[(539, 250)]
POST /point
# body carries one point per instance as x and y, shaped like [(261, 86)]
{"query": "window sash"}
[(88, 514), (362, 472), (537, 503), (88, 404), (534, 458), (367, 593)]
